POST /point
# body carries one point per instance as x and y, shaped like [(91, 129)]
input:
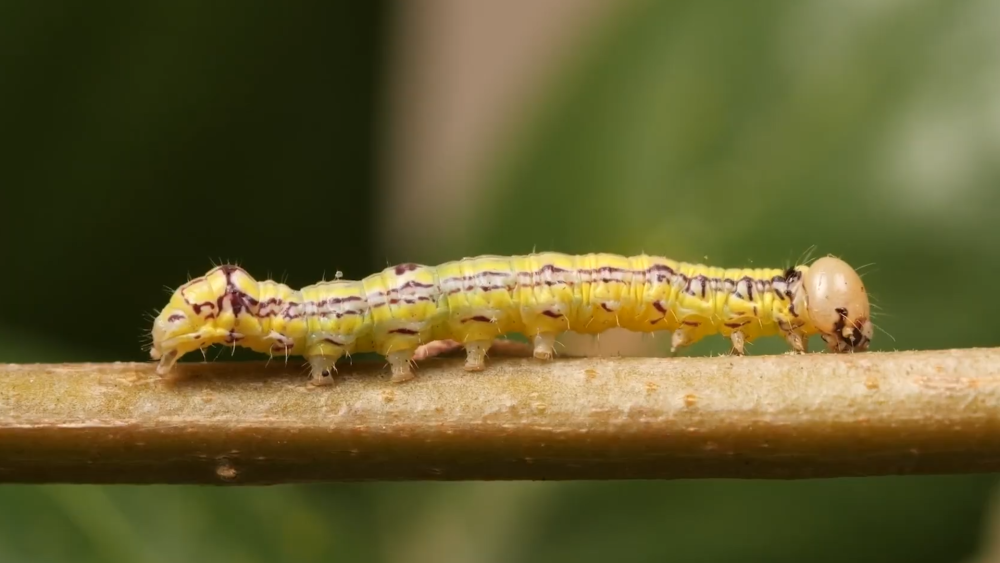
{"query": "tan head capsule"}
[(837, 305)]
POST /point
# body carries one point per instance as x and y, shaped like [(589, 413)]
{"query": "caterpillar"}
[(408, 308)]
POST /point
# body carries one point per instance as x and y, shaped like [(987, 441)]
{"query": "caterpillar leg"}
[(322, 366), (322, 352), (475, 354), (689, 333), (739, 343), (545, 343), (799, 344), (167, 361), (679, 339), (400, 365)]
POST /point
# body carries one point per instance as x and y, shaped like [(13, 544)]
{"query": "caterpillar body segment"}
[(413, 309)]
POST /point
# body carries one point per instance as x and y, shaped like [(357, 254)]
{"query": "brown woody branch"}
[(816, 415)]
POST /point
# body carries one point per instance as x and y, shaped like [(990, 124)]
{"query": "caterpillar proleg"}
[(411, 308)]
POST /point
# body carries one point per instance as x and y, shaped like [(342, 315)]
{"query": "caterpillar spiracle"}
[(403, 309)]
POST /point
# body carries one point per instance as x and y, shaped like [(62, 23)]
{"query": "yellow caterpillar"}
[(404, 309)]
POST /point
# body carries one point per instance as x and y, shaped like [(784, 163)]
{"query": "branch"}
[(816, 415)]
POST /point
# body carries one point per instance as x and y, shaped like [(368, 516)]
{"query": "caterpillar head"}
[(837, 305), (200, 313)]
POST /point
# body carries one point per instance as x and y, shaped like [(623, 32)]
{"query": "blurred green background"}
[(140, 141)]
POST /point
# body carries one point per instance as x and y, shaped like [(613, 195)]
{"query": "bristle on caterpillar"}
[(411, 309)]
